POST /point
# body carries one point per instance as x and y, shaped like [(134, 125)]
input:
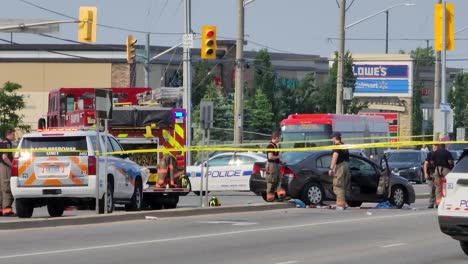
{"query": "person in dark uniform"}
[(273, 175), (429, 176), (339, 169), (442, 161), (6, 163)]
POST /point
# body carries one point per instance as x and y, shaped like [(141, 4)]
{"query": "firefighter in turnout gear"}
[(273, 175), (442, 161), (340, 171), (167, 168)]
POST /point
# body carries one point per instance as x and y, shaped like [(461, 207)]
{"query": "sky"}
[(290, 26)]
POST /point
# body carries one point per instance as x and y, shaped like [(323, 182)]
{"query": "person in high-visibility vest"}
[(167, 167)]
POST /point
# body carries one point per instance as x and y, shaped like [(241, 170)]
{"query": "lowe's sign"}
[(383, 79)]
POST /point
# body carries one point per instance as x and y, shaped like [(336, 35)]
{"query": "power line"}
[(101, 25)]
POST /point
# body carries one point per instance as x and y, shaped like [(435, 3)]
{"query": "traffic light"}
[(131, 49), (87, 24), (438, 26), (208, 45)]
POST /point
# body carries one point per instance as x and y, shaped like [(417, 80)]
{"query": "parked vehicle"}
[(409, 164), (453, 209), (305, 177), (226, 171), (59, 168)]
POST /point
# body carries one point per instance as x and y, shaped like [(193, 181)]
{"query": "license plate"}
[(52, 169)]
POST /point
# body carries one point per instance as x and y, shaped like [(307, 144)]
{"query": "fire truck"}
[(146, 129)]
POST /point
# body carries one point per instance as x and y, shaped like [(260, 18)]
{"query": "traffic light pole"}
[(147, 61), (239, 86), (187, 81)]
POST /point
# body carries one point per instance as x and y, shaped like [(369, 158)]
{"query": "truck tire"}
[(136, 203), (464, 246), (24, 208), (171, 202), (55, 208), (110, 199)]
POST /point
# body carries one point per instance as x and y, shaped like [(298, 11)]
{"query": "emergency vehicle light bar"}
[(80, 128)]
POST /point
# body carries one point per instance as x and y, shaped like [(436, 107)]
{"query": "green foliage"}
[(417, 114), (458, 99), (10, 103), (423, 56), (200, 82), (258, 115), (223, 113), (327, 93)]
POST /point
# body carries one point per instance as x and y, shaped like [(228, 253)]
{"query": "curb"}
[(141, 215)]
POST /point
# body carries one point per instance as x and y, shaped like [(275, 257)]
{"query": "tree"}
[(10, 104), (258, 115), (458, 99), (200, 82), (422, 57), (326, 102)]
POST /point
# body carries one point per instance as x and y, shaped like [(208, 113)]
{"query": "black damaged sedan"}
[(305, 177)]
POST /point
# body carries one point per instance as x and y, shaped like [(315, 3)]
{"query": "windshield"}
[(297, 135), (404, 157), (56, 146)]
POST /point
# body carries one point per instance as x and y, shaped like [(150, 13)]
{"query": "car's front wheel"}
[(312, 193), (398, 196), (464, 246)]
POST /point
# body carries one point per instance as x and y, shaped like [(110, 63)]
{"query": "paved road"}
[(191, 201), (284, 236)]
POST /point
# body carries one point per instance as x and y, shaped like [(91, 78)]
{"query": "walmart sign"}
[(381, 79)]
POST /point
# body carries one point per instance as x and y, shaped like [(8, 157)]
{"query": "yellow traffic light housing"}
[(208, 45), (131, 49), (87, 24)]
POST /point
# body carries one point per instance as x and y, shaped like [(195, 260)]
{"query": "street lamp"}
[(386, 11)]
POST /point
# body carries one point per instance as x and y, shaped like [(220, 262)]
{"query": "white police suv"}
[(226, 171), (60, 167), (453, 209)]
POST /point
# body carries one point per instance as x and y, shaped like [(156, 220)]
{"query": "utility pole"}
[(147, 60), (386, 32), (341, 49), (187, 81), (239, 82), (437, 74)]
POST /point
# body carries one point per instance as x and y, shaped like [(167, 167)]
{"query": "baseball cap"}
[(336, 134)]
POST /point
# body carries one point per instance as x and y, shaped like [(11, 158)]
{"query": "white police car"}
[(226, 171), (453, 209), (59, 168)]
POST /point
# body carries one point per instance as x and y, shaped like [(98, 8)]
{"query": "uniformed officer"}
[(442, 161), (273, 175), (429, 176), (6, 163), (340, 171)]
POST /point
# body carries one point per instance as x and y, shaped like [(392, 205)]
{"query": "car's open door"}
[(383, 188)]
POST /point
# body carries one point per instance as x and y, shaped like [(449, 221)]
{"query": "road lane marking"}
[(276, 228), (234, 223), (393, 245), (287, 262)]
